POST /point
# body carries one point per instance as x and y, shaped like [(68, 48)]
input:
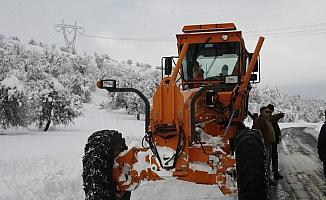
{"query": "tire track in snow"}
[(302, 170)]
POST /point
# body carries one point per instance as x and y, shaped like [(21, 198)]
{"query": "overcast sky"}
[(292, 56)]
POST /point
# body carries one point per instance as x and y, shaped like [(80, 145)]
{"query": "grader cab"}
[(195, 129)]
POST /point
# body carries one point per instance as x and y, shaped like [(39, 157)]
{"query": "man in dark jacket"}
[(274, 119), (322, 145), (264, 124)]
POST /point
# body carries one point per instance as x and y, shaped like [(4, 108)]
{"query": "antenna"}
[(69, 29)]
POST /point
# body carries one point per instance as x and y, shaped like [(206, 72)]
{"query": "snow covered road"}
[(300, 166), (47, 166)]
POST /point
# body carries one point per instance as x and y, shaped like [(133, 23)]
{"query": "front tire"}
[(251, 166), (100, 151)]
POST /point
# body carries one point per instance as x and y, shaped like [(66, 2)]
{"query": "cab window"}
[(216, 60)]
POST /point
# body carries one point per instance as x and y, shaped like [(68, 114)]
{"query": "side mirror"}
[(257, 64), (253, 77), (168, 65)]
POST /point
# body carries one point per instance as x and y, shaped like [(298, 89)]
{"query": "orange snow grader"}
[(194, 130)]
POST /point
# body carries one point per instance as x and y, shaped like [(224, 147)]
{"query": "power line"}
[(292, 33), (289, 27), (303, 30), (148, 39)]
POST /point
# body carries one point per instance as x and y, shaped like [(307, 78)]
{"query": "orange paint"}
[(170, 118)]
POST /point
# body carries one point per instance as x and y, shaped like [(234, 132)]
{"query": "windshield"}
[(211, 61)]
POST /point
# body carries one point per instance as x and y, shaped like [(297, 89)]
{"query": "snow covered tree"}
[(53, 103), (129, 62), (32, 42), (64, 49), (78, 85), (295, 107), (15, 38), (118, 100), (144, 79), (14, 108), (54, 82), (99, 60)]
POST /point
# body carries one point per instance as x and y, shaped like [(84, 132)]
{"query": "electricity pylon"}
[(70, 29)]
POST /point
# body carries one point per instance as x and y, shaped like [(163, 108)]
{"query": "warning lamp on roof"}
[(209, 28), (224, 37)]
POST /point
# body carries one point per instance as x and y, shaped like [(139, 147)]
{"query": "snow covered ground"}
[(36, 165)]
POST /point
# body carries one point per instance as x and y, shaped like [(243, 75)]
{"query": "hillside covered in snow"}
[(40, 85), (296, 107)]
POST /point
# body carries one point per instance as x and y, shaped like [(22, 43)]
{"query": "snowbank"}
[(37, 165)]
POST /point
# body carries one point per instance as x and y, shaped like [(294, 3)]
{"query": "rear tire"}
[(251, 166), (101, 149)]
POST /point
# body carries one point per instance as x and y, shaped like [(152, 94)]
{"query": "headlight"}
[(108, 84)]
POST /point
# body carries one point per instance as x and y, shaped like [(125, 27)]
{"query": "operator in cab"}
[(198, 72)]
